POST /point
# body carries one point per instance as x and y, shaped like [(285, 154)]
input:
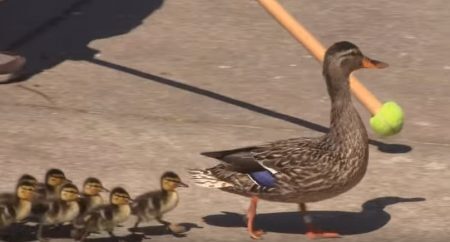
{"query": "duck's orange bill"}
[(373, 64)]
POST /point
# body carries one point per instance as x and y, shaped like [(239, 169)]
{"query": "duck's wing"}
[(7, 209), (149, 201), (255, 167), (301, 153), (83, 202), (40, 206), (90, 217), (238, 160), (269, 157), (7, 197)]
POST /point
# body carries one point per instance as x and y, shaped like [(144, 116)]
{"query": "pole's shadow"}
[(383, 147), (371, 218)]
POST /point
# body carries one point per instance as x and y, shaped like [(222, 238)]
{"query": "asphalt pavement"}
[(126, 90)]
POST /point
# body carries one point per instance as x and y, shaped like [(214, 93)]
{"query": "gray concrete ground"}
[(128, 95)]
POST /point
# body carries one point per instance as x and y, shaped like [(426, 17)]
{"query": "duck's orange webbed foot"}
[(314, 233), (256, 234)]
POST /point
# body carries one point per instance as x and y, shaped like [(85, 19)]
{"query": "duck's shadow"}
[(371, 218), (162, 230), (27, 232)]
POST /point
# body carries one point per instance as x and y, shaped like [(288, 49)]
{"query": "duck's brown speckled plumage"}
[(305, 169)]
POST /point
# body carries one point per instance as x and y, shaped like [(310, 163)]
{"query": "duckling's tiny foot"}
[(322, 235), (256, 234)]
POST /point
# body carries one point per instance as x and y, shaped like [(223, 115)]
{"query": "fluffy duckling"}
[(153, 205), (19, 207), (28, 178), (105, 217), (59, 211), (54, 179), (24, 178), (90, 196)]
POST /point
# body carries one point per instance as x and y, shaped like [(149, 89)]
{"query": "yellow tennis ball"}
[(389, 119)]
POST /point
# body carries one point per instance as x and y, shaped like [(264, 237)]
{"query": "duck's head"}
[(28, 178), (69, 192), (170, 181), (93, 186), (347, 57), (341, 59), (55, 177), (119, 196), (25, 190)]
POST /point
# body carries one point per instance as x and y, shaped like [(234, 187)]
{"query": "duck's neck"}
[(23, 209), (346, 128)]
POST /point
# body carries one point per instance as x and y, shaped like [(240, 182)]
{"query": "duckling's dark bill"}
[(182, 184), (373, 64)]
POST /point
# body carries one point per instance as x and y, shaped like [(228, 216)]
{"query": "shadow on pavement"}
[(149, 231), (27, 233), (371, 218), (48, 32)]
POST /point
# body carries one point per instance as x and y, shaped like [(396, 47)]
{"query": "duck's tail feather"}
[(205, 178)]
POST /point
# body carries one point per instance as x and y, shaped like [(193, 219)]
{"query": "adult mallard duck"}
[(302, 170)]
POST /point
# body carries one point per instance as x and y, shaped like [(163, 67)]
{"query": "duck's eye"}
[(345, 61)]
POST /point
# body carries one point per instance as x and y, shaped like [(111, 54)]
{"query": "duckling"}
[(29, 178), (105, 217), (90, 197), (154, 204), (59, 211), (19, 207), (25, 177), (54, 179)]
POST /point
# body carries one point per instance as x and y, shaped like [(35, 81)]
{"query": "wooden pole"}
[(302, 35)]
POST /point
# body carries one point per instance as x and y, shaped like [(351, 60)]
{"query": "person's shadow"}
[(371, 218), (48, 32)]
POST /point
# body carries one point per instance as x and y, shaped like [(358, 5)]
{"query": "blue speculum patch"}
[(263, 178)]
